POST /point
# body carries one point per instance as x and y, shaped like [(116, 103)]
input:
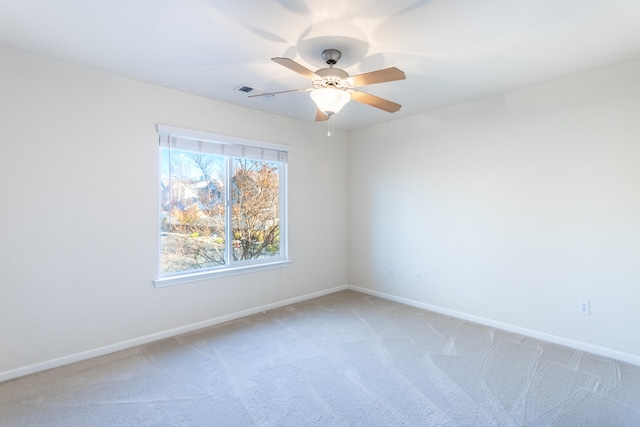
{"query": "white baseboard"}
[(578, 345), (112, 348), (101, 351)]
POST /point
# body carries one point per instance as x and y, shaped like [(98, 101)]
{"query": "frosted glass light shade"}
[(330, 100)]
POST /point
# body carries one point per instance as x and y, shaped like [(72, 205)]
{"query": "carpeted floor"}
[(346, 359)]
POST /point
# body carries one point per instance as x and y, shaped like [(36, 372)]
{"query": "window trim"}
[(246, 266), (188, 277)]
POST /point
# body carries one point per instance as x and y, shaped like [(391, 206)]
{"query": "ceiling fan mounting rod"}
[(331, 56)]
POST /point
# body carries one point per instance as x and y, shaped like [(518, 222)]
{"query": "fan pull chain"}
[(330, 125)]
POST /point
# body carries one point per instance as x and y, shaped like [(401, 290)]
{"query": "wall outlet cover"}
[(584, 307)]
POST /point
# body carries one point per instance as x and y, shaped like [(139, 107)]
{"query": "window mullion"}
[(228, 247)]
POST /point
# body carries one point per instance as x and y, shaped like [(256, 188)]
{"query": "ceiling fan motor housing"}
[(332, 72)]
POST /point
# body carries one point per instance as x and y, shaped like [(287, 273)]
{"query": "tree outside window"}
[(218, 211)]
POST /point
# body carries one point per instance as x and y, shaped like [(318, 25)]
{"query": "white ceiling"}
[(451, 51)]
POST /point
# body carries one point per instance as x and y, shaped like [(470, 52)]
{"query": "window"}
[(222, 205)]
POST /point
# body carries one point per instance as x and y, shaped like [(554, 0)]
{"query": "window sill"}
[(213, 274)]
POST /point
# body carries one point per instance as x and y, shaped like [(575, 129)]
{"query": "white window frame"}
[(194, 138)]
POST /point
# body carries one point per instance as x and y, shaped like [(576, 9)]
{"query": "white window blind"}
[(186, 139)]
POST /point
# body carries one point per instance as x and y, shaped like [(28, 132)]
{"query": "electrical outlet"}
[(418, 277), (584, 307)]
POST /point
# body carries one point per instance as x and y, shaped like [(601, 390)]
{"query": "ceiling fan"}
[(333, 87)]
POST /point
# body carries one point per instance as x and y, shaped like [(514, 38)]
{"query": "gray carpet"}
[(346, 359)]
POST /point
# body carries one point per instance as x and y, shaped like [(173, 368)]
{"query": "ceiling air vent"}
[(243, 88)]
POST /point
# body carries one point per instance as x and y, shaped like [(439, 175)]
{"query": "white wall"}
[(79, 212), (512, 208)]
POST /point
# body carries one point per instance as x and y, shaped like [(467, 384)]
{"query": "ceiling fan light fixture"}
[(330, 100)]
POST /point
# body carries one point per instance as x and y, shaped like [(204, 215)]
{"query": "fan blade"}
[(277, 93), (294, 66), (320, 116), (380, 76), (375, 101)]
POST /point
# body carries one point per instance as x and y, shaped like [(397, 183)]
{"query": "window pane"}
[(255, 213), (192, 211)]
